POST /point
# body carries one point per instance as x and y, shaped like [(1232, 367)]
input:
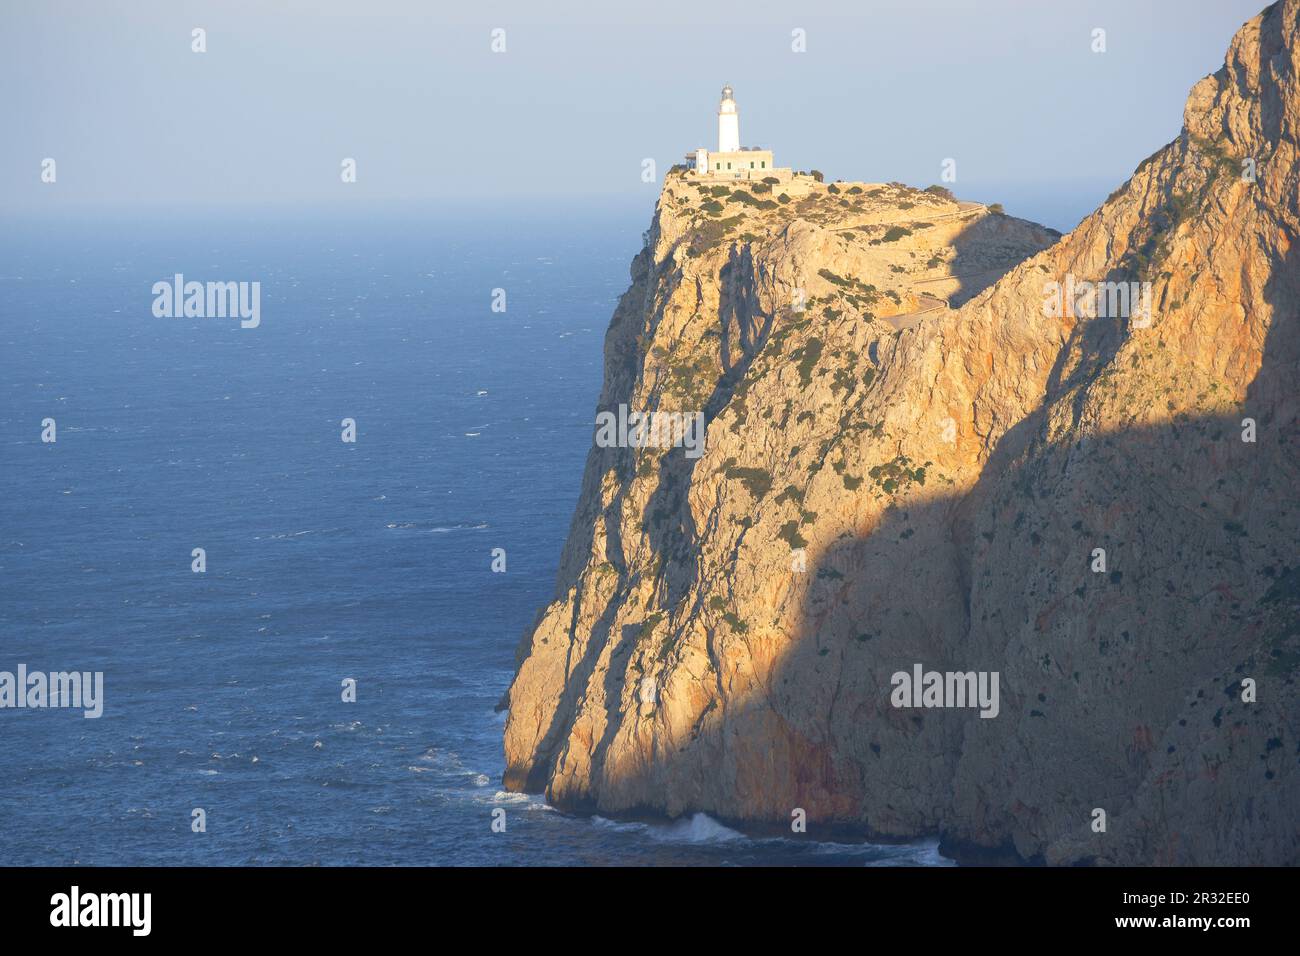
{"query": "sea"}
[(332, 569)]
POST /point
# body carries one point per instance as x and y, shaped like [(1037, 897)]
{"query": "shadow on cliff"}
[(984, 253), (821, 735), (744, 329)]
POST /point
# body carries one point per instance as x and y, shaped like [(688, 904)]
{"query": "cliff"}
[(913, 458)]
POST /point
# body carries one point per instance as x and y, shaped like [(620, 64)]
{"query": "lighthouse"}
[(728, 123), (733, 161)]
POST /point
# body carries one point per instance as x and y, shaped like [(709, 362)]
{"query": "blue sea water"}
[(325, 560)]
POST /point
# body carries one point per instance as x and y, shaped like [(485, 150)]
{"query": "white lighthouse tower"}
[(733, 161), (728, 123)]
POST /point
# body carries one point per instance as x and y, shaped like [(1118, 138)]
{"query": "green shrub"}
[(791, 493), (756, 480), (649, 624), (711, 234), (808, 357), (789, 533), (736, 623), (897, 474)]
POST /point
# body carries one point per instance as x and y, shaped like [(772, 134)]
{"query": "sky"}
[(583, 93)]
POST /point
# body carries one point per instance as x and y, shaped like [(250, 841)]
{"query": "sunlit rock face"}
[(934, 439)]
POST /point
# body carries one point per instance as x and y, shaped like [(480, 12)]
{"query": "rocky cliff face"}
[(908, 462)]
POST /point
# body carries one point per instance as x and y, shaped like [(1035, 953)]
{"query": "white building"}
[(731, 160)]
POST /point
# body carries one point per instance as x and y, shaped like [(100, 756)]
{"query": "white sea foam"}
[(294, 534), (913, 854), (422, 527), (698, 828), (623, 826), (508, 798)]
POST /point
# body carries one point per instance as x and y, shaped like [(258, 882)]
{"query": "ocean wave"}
[(698, 828), (427, 527), (912, 854), (439, 759), (289, 535), (529, 802), (624, 826), (449, 764), (510, 798)]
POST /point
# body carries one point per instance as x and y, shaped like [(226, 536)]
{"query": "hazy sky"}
[(584, 92)]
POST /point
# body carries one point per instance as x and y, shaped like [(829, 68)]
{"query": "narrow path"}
[(964, 275), (910, 319), (965, 207)]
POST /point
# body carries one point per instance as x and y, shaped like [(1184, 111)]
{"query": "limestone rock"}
[(892, 397)]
